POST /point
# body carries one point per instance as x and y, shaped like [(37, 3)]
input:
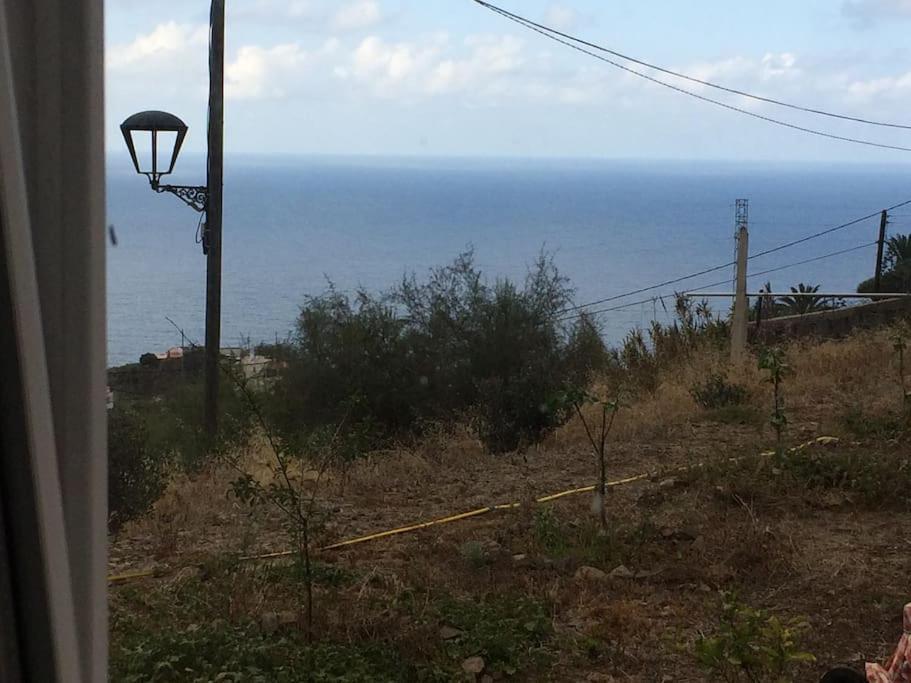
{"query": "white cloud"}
[(357, 15), (162, 44), (739, 71), (281, 10), (258, 73), (890, 87), (479, 71), (560, 17), (390, 68), (866, 12), (434, 66), (490, 59)]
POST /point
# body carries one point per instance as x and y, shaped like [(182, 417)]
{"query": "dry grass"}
[(796, 551)]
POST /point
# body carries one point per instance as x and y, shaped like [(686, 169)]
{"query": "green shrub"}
[(451, 347), (868, 479), (240, 654), (752, 645), (642, 356), (716, 392), (549, 532), (136, 473), (509, 633), (866, 426), (475, 554), (736, 415), (875, 478), (175, 424)]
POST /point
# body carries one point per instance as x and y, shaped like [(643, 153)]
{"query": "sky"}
[(450, 78)]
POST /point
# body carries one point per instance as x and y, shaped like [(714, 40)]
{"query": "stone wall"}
[(826, 324)]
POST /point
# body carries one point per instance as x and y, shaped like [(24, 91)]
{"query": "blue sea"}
[(291, 225)]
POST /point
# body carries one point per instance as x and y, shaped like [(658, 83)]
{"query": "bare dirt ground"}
[(834, 552)]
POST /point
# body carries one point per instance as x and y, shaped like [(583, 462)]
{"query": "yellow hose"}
[(822, 440)]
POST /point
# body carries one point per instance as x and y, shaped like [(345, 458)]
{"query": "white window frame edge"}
[(28, 331)]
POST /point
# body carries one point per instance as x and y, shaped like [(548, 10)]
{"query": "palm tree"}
[(898, 260), (896, 267), (898, 252), (801, 305)]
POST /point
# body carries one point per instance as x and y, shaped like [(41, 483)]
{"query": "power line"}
[(579, 314), (796, 263), (646, 289), (810, 110), (621, 307), (773, 250), (684, 91), (829, 231)]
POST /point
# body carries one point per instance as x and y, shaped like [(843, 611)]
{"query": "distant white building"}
[(175, 352)]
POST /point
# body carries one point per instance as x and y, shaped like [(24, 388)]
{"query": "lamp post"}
[(162, 127)]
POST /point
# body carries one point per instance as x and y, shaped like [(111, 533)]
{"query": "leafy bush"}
[(234, 654), (175, 423), (896, 275), (451, 347), (549, 532), (873, 477), (509, 633), (716, 392), (136, 473), (752, 645), (642, 356), (736, 415), (863, 425), (775, 363)]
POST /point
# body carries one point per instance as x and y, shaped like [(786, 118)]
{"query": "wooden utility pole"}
[(215, 176), (741, 304), (880, 247)]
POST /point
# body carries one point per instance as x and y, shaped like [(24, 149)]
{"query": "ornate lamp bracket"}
[(193, 196)]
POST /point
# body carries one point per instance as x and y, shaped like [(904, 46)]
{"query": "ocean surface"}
[(293, 224)]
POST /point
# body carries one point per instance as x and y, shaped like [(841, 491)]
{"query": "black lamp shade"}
[(154, 122)]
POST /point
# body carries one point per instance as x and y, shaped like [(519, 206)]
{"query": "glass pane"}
[(142, 143), (166, 142), (453, 268)]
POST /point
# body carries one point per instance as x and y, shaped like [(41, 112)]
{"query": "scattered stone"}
[(491, 546), (519, 558), (287, 618), (835, 499), (450, 633), (268, 622), (647, 573), (671, 534), (622, 572), (473, 665), (667, 484), (185, 573), (590, 574)]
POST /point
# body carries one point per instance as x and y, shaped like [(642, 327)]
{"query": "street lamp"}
[(152, 124), (163, 129)]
